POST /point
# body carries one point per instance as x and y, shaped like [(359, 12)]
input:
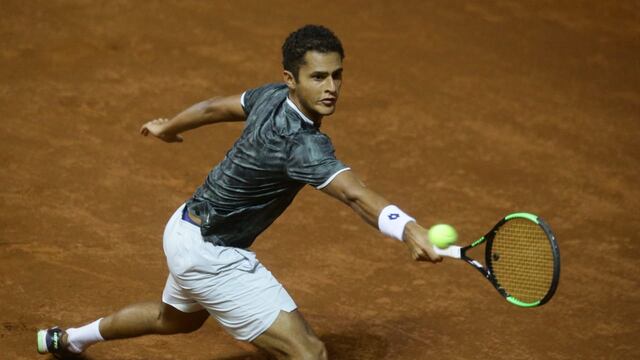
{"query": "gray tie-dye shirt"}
[(278, 152)]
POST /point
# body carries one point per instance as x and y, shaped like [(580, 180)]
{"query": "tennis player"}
[(207, 240)]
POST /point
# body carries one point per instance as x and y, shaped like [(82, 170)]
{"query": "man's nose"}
[(331, 85)]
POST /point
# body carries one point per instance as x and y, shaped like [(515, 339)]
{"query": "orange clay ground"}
[(459, 112)]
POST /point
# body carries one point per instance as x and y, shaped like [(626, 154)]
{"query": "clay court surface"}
[(459, 112)]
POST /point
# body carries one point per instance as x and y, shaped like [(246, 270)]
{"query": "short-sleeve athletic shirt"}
[(279, 151)]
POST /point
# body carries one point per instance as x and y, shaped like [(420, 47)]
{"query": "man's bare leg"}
[(137, 320), (150, 318), (290, 337)]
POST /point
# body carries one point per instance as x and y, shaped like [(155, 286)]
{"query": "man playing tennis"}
[(212, 272)]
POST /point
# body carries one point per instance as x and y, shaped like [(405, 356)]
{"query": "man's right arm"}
[(222, 109), (349, 189)]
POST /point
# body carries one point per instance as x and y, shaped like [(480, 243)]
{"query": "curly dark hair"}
[(308, 38)]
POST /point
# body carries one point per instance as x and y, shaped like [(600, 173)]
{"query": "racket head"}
[(523, 259)]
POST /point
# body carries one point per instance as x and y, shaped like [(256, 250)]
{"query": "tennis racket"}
[(521, 259)]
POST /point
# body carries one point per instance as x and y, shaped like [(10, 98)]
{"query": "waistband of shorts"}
[(188, 217)]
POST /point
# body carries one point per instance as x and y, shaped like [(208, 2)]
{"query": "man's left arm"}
[(349, 189), (215, 110)]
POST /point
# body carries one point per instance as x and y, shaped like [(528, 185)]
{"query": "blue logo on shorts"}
[(393, 216)]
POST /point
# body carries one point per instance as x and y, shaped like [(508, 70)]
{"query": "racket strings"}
[(522, 260)]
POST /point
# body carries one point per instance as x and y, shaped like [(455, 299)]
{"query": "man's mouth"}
[(329, 101)]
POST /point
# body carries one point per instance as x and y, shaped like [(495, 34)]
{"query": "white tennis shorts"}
[(230, 283)]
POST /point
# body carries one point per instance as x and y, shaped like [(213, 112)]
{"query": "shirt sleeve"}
[(311, 160), (251, 97)]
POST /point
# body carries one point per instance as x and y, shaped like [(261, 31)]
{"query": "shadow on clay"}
[(340, 346), (355, 345)]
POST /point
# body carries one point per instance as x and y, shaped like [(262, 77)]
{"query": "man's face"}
[(318, 85)]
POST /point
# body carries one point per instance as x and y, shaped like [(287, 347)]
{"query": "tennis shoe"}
[(50, 342)]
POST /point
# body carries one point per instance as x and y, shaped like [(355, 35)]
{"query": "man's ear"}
[(289, 80)]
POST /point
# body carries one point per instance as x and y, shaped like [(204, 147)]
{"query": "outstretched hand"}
[(417, 240), (157, 128)]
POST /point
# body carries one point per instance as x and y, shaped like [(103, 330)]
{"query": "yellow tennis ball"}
[(442, 235)]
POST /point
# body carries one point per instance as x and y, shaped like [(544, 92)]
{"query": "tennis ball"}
[(442, 235)]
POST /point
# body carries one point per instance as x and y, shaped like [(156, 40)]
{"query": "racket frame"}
[(487, 271)]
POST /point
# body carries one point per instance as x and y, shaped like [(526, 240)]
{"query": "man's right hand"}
[(417, 240), (157, 128)]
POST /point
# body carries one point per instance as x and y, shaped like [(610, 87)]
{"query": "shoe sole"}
[(42, 342)]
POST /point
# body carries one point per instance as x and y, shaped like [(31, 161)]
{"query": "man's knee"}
[(173, 321), (319, 350), (180, 328), (311, 349), (290, 337)]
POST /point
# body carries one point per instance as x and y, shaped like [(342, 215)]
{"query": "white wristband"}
[(392, 221)]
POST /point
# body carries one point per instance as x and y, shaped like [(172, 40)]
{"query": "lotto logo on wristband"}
[(391, 221)]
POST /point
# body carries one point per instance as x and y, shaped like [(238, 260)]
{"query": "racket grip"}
[(452, 251)]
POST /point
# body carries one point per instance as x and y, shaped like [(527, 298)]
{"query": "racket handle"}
[(452, 251)]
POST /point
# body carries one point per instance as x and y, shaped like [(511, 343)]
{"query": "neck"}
[(315, 117)]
